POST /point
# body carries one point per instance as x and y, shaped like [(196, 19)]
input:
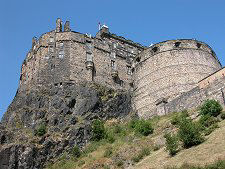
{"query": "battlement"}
[(169, 45)]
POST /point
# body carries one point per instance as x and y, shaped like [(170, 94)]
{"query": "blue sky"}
[(143, 21)]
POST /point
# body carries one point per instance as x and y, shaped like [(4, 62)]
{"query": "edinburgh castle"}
[(168, 76)]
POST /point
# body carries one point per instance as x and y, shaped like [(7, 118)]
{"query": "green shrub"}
[(143, 127), (223, 115), (110, 137), (98, 130), (189, 133), (81, 163), (178, 117), (76, 151), (211, 107), (41, 130), (143, 153), (210, 129), (207, 120), (156, 147), (208, 123), (108, 152), (175, 120), (171, 143), (132, 123), (119, 129)]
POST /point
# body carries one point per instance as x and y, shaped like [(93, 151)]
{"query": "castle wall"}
[(68, 56), (204, 83), (168, 69), (195, 97)]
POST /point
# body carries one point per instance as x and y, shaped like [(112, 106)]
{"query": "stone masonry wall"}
[(69, 56), (195, 97), (168, 69)]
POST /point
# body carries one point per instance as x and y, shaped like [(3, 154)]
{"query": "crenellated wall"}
[(168, 69)]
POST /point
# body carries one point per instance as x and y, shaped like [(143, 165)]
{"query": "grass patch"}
[(143, 153)]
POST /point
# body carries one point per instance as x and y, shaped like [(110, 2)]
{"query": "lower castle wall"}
[(194, 98)]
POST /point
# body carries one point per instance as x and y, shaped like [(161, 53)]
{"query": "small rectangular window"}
[(61, 45), (129, 72), (61, 54), (113, 64), (51, 39), (51, 49), (113, 55), (89, 57)]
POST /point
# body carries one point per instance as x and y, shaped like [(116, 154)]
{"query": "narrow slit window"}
[(61, 54), (113, 55), (113, 64), (89, 57), (129, 72), (199, 45), (155, 49), (177, 44)]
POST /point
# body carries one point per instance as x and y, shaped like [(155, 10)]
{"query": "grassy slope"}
[(208, 152), (129, 145)]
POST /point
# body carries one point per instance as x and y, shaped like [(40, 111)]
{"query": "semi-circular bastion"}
[(167, 69)]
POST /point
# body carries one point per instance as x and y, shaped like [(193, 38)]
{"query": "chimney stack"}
[(58, 25), (67, 26)]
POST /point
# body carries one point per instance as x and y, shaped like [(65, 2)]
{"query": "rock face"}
[(67, 112)]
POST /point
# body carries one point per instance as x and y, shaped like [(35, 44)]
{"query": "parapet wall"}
[(168, 69)]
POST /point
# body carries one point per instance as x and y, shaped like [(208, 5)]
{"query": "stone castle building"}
[(166, 77)]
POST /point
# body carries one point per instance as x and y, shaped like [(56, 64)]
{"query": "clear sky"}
[(143, 21)]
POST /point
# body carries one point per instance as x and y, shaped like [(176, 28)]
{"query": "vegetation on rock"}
[(211, 107), (41, 130)]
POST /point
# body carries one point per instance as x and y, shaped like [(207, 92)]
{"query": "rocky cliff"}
[(65, 112)]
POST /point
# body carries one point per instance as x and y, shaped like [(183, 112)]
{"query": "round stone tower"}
[(168, 69)]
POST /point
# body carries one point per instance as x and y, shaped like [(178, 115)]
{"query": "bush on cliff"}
[(171, 143), (143, 127), (178, 117), (211, 107), (98, 130), (41, 130), (189, 133)]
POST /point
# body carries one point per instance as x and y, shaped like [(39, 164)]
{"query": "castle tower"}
[(167, 69)]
